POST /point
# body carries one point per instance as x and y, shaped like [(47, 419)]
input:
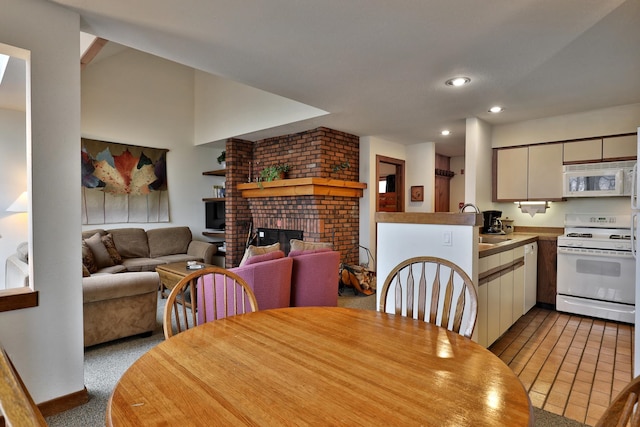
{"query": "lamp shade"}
[(21, 204)]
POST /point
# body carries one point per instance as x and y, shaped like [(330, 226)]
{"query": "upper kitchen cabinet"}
[(528, 173), (622, 147), (601, 149), (545, 172), (510, 166), (589, 150)]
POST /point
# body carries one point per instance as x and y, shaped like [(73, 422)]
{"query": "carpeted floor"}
[(105, 364)]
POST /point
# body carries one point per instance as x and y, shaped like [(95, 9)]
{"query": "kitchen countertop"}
[(516, 239)]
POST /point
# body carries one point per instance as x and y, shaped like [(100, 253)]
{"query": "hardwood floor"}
[(570, 365)]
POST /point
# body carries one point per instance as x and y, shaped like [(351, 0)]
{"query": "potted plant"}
[(222, 159), (274, 172)]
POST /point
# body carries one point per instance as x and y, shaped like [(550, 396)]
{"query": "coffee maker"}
[(492, 223)]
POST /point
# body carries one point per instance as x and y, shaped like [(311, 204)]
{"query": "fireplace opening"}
[(269, 236)]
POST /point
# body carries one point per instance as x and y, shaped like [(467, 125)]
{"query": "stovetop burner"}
[(583, 235)]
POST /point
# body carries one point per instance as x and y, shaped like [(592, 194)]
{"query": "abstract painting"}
[(123, 183)]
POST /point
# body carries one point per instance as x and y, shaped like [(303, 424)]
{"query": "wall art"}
[(123, 183)]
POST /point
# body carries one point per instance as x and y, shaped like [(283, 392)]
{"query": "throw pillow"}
[(100, 252), (299, 245), (107, 241), (88, 260), (85, 271), (312, 251), (264, 257), (258, 250)]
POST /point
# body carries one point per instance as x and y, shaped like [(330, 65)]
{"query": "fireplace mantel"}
[(302, 187)]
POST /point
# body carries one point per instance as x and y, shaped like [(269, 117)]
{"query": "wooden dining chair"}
[(623, 410), (213, 293), (16, 405), (434, 290)]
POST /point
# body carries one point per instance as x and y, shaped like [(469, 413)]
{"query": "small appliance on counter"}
[(492, 222), (507, 225)]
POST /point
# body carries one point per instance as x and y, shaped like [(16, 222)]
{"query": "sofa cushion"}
[(299, 245), (141, 264), (100, 252), (107, 241), (118, 268), (88, 259), (264, 257), (110, 286), (258, 250), (88, 233), (131, 242), (85, 271), (168, 241)]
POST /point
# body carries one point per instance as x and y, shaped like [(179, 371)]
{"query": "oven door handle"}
[(634, 218)]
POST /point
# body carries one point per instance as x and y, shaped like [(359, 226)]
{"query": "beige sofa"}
[(120, 296)]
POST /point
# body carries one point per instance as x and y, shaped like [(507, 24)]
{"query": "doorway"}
[(390, 194)]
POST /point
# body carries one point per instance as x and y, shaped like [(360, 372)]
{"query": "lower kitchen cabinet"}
[(500, 294)]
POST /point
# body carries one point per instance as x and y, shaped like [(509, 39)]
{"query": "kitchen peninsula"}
[(496, 266)]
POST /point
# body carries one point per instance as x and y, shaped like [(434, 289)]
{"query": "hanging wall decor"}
[(123, 183)]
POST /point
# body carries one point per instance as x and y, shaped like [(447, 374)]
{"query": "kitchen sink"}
[(493, 240)]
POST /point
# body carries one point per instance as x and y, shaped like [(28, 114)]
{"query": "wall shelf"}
[(302, 187), (218, 172)]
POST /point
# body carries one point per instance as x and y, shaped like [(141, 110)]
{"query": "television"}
[(214, 215)]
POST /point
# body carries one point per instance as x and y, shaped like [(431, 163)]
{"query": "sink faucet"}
[(466, 205)]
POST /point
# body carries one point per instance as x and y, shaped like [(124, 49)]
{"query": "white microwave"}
[(598, 179)]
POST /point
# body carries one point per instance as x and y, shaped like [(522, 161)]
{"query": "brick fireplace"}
[(321, 161)]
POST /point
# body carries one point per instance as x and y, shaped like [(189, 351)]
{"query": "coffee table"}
[(171, 274)]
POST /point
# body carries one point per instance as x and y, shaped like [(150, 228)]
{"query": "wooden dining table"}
[(319, 366)]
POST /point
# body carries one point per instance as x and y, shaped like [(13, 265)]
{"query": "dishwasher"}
[(530, 275)]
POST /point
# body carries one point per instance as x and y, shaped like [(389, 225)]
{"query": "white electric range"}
[(596, 268)]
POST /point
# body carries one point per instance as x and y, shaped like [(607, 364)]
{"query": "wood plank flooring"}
[(570, 365)]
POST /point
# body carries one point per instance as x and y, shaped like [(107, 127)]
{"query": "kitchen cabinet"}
[(545, 172), (583, 151), (620, 147), (547, 271), (518, 284), (601, 149), (511, 176), (528, 173), (500, 293)]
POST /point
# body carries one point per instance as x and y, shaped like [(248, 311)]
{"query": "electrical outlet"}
[(446, 238)]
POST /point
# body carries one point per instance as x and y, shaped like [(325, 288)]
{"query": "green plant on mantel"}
[(341, 166), (222, 157), (271, 173)]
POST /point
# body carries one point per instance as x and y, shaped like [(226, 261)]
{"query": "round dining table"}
[(319, 366)]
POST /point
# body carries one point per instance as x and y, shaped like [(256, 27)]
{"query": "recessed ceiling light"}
[(496, 109), (458, 81), (445, 132)]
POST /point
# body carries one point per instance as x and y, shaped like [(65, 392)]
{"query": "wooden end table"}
[(171, 274)]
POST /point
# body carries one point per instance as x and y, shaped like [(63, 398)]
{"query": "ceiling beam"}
[(92, 51)]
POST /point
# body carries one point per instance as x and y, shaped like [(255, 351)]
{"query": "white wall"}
[(420, 169), (45, 342), (13, 181), (370, 147), (456, 184), (606, 121), (140, 99), (226, 109)]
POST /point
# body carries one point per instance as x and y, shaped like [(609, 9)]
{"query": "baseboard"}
[(64, 403)]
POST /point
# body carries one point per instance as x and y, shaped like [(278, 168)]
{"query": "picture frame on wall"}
[(417, 193)]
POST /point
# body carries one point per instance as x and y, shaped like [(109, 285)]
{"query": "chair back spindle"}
[(205, 295), (451, 299)]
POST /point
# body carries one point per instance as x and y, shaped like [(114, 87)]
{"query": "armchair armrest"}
[(16, 273), (204, 250)]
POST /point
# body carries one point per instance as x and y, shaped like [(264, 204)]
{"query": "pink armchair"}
[(314, 280), (269, 277)]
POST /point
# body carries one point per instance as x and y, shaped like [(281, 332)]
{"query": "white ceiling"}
[(379, 66)]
